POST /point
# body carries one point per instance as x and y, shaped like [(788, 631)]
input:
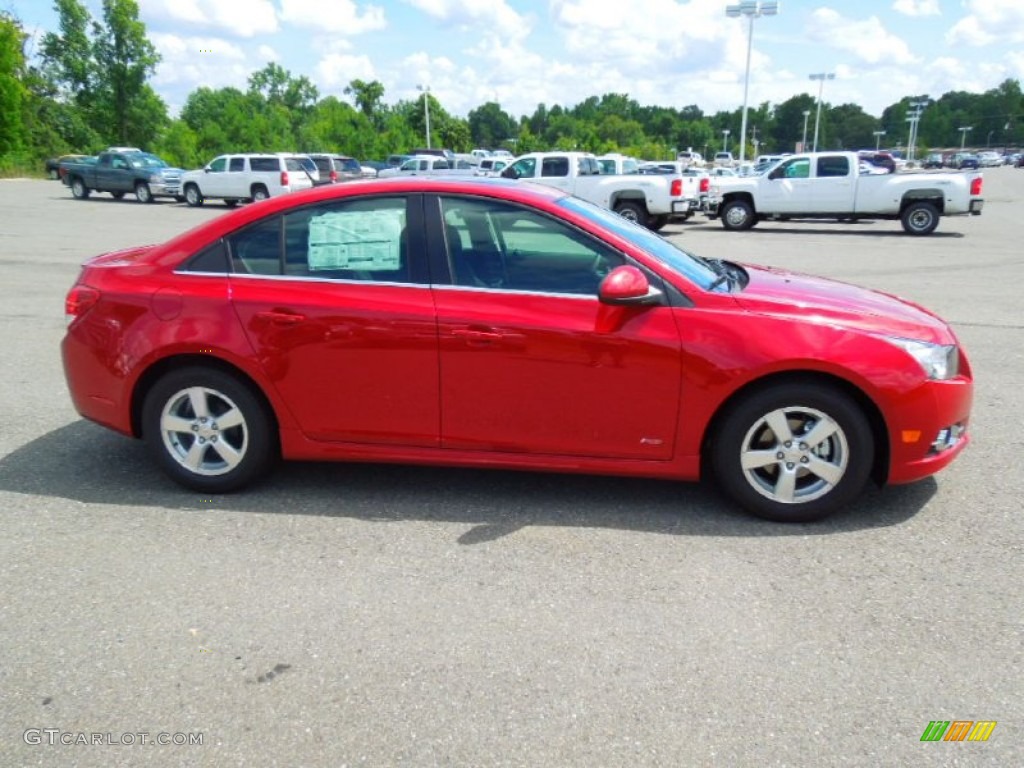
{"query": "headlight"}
[(156, 178), (940, 362)]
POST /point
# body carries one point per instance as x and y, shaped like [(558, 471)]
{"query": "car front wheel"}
[(793, 452), (143, 193), (78, 189), (207, 430)]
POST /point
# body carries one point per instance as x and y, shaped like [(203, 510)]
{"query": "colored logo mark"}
[(958, 730)]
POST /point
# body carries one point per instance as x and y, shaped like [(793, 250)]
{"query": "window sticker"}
[(366, 240)]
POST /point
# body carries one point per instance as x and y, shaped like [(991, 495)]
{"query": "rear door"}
[(335, 301)]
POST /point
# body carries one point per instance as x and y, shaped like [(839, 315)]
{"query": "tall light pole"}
[(878, 138), (425, 89), (725, 140), (914, 118), (821, 77), (963, 134), (803, 144), (751, 9)]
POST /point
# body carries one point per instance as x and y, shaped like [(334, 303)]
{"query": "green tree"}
[(489, 125), (68, 57), (12, 89), (368, 98), (125, 58)]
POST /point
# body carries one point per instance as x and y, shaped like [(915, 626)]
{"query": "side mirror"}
[(627, 285), (510, 173)]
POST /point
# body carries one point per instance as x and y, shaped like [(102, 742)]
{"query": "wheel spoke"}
[(197, 398), (785, 488), (758, 459), (780, 425), (823, 430), (827, 471), (229, 419), (194, 458), (174, 423), (230, 456)]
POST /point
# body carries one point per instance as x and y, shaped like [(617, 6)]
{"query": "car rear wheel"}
[(78, 189), (143, 193), (259, 192), (738, 215), (793, 452), (207, 430), (920, 219), (193, 196)]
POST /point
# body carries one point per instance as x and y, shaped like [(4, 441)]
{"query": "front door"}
[(531, 361)]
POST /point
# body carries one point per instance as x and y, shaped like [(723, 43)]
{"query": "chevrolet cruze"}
[(494, 323)]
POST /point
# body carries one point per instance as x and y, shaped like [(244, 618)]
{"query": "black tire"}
[(117, 195), (230, 202), (259, 192), (631, 211), (193, 196), (738, 215), (143, 193), (920, 218), (78, 188), (785, 478), (655, 223), (173, 426)]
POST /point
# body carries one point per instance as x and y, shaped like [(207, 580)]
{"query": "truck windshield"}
[(146, 160), (692, 267)]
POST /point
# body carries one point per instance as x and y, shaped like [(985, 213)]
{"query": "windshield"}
[(145, 160), (691, 267)]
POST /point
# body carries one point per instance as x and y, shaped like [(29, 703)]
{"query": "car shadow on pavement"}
[(85, 463), (839, 228)]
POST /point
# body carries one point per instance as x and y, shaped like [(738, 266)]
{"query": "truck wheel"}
[(655, 223), (78, 188), (142, 193), (632, 212), (920, 218), (117, 195), (737, 215), (259, 192), (193, 196)]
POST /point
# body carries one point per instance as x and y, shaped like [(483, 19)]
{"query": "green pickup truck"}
[(124, 171)]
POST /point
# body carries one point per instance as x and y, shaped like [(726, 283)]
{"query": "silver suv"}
[(233, 178)]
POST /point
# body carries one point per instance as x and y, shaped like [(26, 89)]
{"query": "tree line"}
[(88, 87)]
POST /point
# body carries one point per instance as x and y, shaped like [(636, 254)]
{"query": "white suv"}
[(245, 177)]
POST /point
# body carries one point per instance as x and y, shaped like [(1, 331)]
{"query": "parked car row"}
[(230, 177)]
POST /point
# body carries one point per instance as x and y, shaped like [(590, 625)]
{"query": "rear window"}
[(323, 163), (350, 164), (265, 164), (295, 164)]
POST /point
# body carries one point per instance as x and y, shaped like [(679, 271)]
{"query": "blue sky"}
[(521, 53)]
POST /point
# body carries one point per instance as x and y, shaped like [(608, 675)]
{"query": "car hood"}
[(817, 299)]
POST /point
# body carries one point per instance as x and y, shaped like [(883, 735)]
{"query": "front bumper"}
[(930, 429)]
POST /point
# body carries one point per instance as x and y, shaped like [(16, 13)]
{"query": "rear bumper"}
[(976, 206)]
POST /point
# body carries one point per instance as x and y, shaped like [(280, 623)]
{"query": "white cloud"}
[(335, 16), (238, 18), (268, 54), (988, 22), (475, 13), (336, 70), (917, 7), (868, 40)]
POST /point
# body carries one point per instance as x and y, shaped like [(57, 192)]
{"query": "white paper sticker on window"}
[(359, 240)]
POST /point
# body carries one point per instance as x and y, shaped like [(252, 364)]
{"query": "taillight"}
[(976, 187), (677, 187), (80, 299), (705, 184), (334, 177), (284, 178)]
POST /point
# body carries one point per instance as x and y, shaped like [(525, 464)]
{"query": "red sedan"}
[(499, 324)]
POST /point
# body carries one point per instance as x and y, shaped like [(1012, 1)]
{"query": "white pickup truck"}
[(832, 185), (426, 165), (647, 200)]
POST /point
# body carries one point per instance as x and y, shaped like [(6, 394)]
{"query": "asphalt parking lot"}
[(382, 616)]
